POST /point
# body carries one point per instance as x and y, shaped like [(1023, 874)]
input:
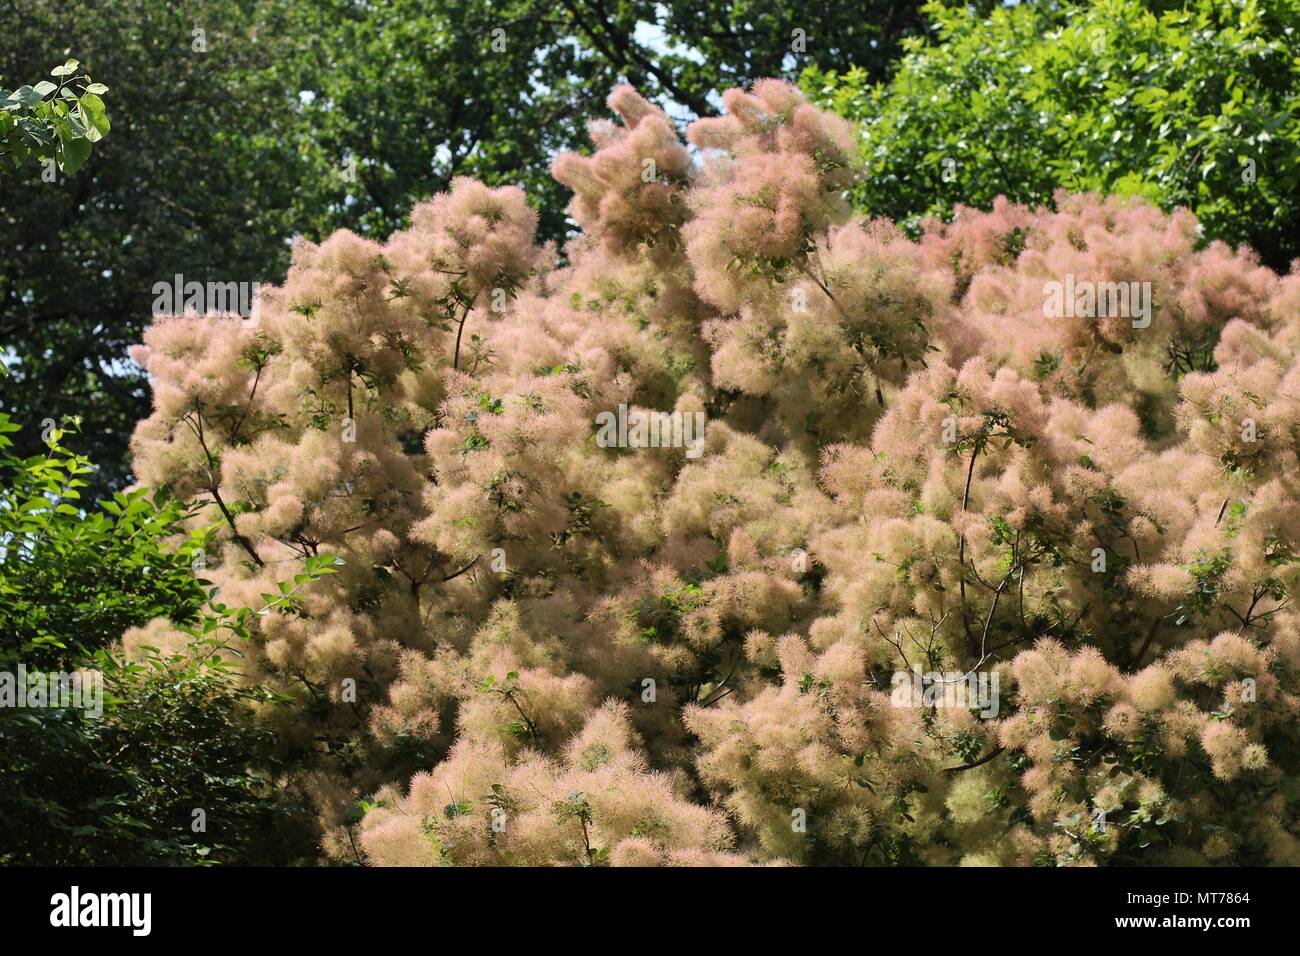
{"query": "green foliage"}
[(52, 120), (576, 806), (121, 789), (659, 616), (1191, 106), (525, 727), (71, 581), (175, 736)]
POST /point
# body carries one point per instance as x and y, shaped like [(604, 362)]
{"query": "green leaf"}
[(25, 96), (73, 150), (95, 116)]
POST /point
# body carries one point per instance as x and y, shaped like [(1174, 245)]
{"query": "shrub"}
[(550, 643), (121, 787)]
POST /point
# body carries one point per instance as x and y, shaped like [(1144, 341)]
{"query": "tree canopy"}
[(1192, 105)]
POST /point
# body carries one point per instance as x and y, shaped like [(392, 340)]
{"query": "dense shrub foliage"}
[(120, 787), (1189, 105), (544, 649)]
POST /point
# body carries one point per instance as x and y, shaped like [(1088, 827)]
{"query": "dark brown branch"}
[(242, 541), (1151, 633), (215, 491), (978, 763), (462, 570), (455, 362), (961, 546), (248, 408)]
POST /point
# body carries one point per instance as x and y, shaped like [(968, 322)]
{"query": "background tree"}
[(198, 177), (1184, 104)]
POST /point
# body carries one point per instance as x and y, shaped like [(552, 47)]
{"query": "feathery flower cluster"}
[(541, 650)]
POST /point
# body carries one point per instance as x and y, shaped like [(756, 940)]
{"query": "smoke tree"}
[(544, 650)]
